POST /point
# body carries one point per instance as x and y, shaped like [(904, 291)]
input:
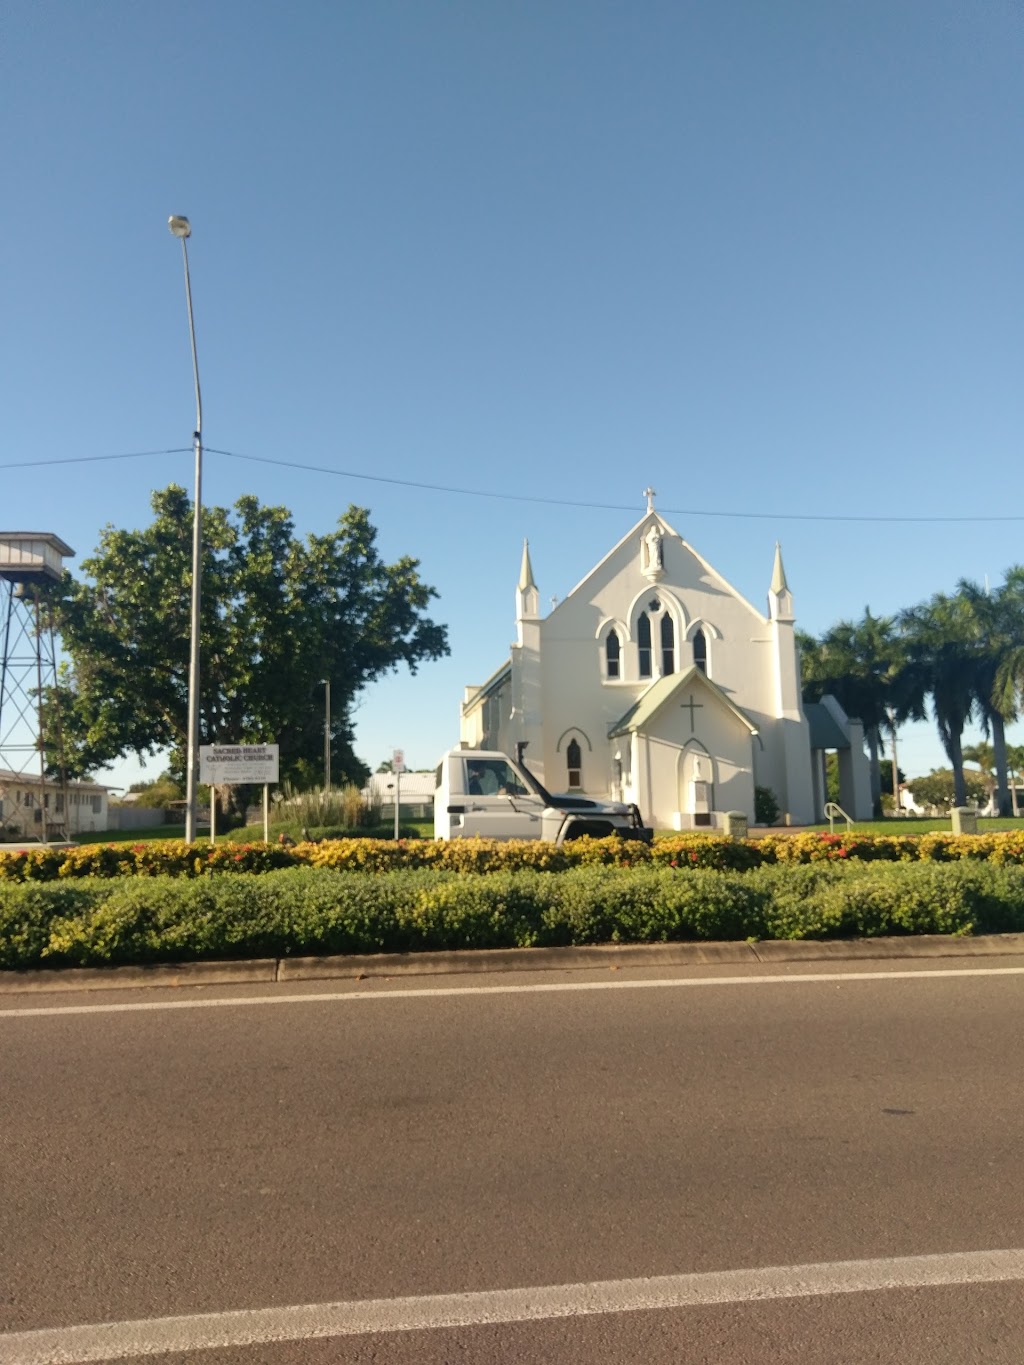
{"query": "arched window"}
[(700, 651), (668, 645), (574, 765), (643, 639), (612, 653)]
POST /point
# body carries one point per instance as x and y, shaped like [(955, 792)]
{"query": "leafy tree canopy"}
[(279, 616), (938, 788), (165, 791)]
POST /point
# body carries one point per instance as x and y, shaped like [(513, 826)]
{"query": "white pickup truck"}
[(478, 792)]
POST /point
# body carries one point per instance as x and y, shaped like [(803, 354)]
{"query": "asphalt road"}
[(398, 1140)]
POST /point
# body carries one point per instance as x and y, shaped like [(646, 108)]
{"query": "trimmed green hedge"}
[(95, 921), (681, 852)]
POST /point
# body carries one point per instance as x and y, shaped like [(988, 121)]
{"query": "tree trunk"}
[(956, 761), (232, 803), (874, 740), (897, 803), (1004, 805)]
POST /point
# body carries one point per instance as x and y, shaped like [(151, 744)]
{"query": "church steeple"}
[(780, 599), (527, 596), (526, 571)]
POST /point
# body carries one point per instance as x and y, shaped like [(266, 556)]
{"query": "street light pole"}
[(182, 229), (327, 736)]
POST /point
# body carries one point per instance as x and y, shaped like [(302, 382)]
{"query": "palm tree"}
[(985, 757), (1015, 765), (859, 663), (999, 622), (941, 641)]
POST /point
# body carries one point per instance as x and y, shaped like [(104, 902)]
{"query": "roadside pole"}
[(398, 768)]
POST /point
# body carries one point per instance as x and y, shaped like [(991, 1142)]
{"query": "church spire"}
[(526, 571), (779, 583), (527, 596), (780, 599)]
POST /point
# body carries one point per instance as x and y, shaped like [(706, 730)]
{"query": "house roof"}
[(414, 787), (9, 778), (826, 732), (493, 682), (646, 706)]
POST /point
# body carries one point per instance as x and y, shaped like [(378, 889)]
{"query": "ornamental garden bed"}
[(78, 919)]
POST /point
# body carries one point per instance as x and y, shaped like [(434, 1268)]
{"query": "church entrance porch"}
[(691, 747), (696, 790)]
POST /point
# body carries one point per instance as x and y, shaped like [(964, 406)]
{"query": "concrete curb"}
[(592, 957)]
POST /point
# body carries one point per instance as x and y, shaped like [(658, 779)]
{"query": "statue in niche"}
[(653, 548), (698, 771)]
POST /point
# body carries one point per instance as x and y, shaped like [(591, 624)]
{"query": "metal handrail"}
[(832, 809)]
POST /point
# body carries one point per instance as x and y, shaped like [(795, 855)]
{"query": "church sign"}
[(238, 764)]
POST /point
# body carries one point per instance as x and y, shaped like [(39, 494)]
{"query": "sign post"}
[(239, 765), (398, 768)]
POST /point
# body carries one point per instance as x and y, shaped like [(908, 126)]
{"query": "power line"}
[(95, 459), (457, 491), (601, 506)]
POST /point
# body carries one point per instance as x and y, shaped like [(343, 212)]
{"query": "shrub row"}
[(92, 921), (681, 851)]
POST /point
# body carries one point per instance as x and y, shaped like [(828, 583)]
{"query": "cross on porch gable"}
[(692, 706)]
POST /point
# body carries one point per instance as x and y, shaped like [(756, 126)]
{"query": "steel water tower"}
[(29, 723)]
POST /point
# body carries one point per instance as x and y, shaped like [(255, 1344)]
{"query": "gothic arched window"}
[(668, 645), (700, 651), (611, 654), (574, 765), (643, 640)]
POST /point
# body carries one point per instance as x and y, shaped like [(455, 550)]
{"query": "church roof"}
[(644, 708), (500, 675), (652, 518), (826, 732)]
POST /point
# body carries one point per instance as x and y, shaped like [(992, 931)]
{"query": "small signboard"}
[(236, 764), (398, 761)]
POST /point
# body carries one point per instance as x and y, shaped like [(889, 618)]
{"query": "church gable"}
[(691, 691), (652, 562)]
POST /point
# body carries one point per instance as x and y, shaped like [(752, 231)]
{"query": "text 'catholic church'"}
[(655, 681)]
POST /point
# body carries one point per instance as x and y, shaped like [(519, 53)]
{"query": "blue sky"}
[(764, 257)]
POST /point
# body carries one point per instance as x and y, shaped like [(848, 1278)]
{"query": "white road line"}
[(153, 1336), (547, 988)]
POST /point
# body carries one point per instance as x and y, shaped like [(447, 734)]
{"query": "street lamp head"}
[(180, 227)]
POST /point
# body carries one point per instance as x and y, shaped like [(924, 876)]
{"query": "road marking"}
[(305, 1322), (547, 988)]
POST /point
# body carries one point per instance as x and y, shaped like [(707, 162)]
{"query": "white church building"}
[(656, 682)]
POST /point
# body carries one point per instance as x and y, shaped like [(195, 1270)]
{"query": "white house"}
[(26, 800), (655, 681)]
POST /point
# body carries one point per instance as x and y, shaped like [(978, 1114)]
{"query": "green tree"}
[(1015, 767), (939, 788), (859, 663), (279, 614), (985, 757), (941, 641), (165, 791), (999, 625)]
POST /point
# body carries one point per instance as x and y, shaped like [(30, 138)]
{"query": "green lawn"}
[(920, 825), (133, 836)]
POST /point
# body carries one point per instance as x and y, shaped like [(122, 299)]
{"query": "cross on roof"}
[(693, 707), (650, 495)]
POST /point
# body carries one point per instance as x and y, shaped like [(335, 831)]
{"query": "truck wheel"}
[(594, 829)]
